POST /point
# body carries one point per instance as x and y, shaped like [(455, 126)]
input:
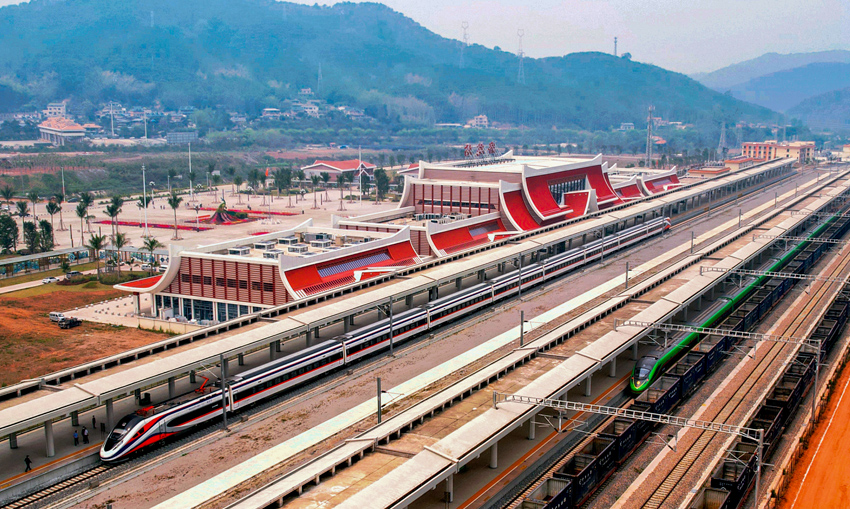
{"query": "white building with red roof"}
[(222, 281), (355, 167), (58, 130)]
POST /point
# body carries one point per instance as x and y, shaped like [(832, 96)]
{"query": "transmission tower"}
[(739, 137), (520, 77), (319, 80), (649, 137), (722, 145), (465, 42), (615, 46)]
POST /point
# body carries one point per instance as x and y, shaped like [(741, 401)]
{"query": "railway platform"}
[(417, 475)]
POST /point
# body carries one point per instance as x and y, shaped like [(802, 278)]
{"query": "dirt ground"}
[(822, 476), (32, 345)]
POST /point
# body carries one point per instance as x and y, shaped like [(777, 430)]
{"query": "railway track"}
[(762, 370), (660, 495), (52, 495)]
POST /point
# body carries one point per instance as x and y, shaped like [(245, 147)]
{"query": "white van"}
[(55, 316)]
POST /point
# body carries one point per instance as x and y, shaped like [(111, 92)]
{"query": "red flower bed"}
[(259, 212), (157, 225)]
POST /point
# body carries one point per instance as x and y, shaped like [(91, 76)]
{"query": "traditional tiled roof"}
[(60, 124)]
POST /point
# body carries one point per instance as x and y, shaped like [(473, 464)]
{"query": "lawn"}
[(38, 276)]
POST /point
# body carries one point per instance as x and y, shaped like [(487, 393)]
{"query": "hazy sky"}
[(681, 35)]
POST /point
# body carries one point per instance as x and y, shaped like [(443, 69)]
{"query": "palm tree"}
[(120, 241), (82, 213), (95, 245), (340, 180), (237, 181), (112, 212), (174, 201), (254, 178), (172, 173), (216, 180), (315, 180), (86, 199), (326, 177), (59, 198), (300, 176), (33, 197), (150, 245), (7, 192), (23, 210), (52, 208)]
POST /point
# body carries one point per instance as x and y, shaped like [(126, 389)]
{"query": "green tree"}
[(8, 194), (83, 213), (52, 208), (65, 266), (174, 201), (59, 199), (326, 177), (150, 245), (382, 183), (315, 180), (120, 241), (31, 238), (8, 233), (96, 244), (341, 179), (45, 236), (32, 196), (237, 182), (23, 210)]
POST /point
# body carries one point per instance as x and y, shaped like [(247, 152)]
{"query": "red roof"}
[(61, 124), (348, 165), (324, 276), (466, 237), (147, 282)]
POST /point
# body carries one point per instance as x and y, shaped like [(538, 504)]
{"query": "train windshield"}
[(644, 367), (124, 425)]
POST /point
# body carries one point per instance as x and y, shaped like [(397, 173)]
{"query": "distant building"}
[(55, 110), (181, 137), (305, 91), (59, 130), (741, 162), (627, 126), (92, 129), (845, 154), (479, 122), (802, 151), (271, 113), (353, 166)]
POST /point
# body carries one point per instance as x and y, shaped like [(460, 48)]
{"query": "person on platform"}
[(85, 435), (93, 422), (28, 462), (76, 439)]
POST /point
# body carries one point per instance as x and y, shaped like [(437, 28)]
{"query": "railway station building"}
[(447, 210)]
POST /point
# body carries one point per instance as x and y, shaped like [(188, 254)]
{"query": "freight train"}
[(578, 476), (136, 432)]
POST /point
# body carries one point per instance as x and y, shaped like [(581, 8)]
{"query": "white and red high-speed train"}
[(135, 432)]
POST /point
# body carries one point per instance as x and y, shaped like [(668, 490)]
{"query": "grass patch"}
[(38, 276)]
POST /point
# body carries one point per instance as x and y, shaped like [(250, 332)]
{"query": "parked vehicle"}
[(69, 322), (72, 274), (55, 316), (49, 280)]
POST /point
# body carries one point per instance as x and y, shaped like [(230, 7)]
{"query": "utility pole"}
[(722, 144), (615, 46), (521, 329), (379, 400), (223, 391), (649, 137)]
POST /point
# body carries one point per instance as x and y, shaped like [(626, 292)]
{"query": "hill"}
[(736, 74), (784, 89), (829, 111), (245, 55)]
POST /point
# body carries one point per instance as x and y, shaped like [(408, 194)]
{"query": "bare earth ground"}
[(822, 476), (32, 345)]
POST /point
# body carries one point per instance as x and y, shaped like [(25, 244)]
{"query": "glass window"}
[(243, 310), (232, 311), (222, 311), (187, 308), (203, 310)]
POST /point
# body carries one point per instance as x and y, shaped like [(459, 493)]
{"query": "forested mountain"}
[(784, 89), (830, 111), (769, 63), (245, 55)]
